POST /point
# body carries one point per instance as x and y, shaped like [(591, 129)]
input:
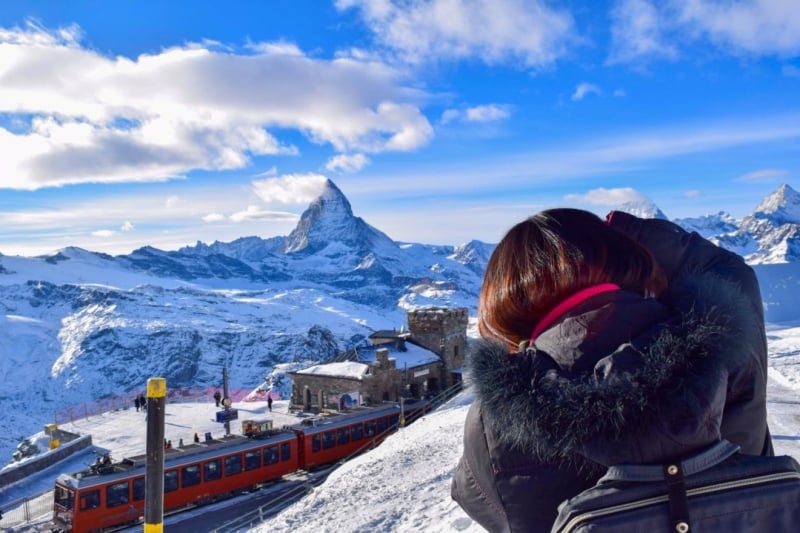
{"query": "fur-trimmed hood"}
[(620, 378)]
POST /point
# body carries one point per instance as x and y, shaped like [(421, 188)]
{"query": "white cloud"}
[(638, 32), (290, 188), (764, 174), (481, 113), (256, 213), (608, 197), (517, 32), (694, 193), (450, 115), (213, 217), (126, 226), (791, 71), (104, 233), (92, 118), (749, 26), (644, 30), (487, 113), (583, 89), (347, 162)]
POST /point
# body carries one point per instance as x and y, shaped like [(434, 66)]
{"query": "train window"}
[(252, 460), (64, 497), (316, 443), (170, 481), (270, 455), (369, 429), (343, 436), (117, 494), (90, 500), (212, 470), (382, 425), (286, 451), (190, 476), (328, 439), (394, 421), (138, 489), (357, 432), (233, 465)]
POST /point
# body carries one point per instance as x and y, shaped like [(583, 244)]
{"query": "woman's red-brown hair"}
[(547, 258)]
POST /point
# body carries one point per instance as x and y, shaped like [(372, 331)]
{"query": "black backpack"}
[(718, 490)]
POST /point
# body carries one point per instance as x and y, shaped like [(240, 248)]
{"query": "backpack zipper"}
[(698, 491)]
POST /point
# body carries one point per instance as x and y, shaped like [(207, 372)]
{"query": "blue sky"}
[(124, 124)]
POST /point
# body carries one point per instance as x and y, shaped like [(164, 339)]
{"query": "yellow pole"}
[(154, 466)]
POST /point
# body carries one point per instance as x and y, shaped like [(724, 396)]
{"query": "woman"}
[(605, 342)]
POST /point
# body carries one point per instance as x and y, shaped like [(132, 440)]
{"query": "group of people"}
[(603, 342), (140, 402)]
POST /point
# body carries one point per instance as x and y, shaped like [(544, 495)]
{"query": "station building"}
[(415, 363)]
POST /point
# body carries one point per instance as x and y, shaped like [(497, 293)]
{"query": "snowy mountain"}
[(79, 325), (769, 235), (642, 209)]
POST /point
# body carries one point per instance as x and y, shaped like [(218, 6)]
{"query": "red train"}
[(112, 495)]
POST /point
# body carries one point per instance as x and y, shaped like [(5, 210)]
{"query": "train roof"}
[(326, 423), (174, 457)]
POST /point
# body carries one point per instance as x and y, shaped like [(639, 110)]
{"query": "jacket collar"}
[(574, 300)]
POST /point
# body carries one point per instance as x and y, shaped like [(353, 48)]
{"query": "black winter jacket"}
[(619, 378)]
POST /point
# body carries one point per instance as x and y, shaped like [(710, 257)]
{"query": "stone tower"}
[(442, 330)]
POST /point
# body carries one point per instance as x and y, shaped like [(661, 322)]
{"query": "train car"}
[(110, 495), (330, 439)]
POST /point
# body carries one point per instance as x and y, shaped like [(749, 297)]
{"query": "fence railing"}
[(126, 401), (24, 511)]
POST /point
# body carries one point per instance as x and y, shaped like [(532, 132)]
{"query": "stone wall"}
[(442, 330), (43, 460)]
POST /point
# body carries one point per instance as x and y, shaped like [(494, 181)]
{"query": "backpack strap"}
[(673, 475), (678, 501), (706, 459)]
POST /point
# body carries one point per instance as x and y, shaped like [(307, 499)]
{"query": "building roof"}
[(414, 355), (389, 334), (346, 369)]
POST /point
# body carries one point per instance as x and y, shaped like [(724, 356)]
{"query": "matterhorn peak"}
[(329, 219), (781, 207)]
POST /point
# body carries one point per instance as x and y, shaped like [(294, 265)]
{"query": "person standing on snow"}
[(605, 342)]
